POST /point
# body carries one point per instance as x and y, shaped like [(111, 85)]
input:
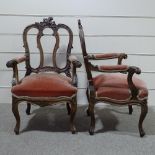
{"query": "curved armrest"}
[(75, 64), (106, 56), (15, 61), (13, 64)]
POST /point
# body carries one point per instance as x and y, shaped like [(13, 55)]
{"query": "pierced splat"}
[(48, 23)]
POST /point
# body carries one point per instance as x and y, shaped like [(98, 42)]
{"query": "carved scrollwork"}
[(47, 23)]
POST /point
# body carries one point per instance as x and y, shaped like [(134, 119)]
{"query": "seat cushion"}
[(115, 86), (45, 85)]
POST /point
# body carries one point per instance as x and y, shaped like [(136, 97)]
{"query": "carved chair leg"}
[(130, 109), (87, 94), (28, 108), (68, 108), (16, 114), (144, 110), (72, 115), (92, 124)]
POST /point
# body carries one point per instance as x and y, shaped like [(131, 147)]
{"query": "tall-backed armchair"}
[(45, 85), (119, 86)]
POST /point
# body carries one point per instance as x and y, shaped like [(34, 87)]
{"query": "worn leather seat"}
[(45, 85), (115, 86)]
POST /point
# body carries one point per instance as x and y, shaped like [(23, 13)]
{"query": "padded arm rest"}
[(113, 68), (116, 68), (15, 61), (106, 56)]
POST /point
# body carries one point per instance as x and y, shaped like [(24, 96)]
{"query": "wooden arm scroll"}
[(13, 64), (15, 61)]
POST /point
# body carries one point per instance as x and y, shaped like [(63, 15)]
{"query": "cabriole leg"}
[(16, 114), (68, 108), (144, 110), (87, 94), (72, 115)]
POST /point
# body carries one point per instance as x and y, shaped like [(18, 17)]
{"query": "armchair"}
[(113, 87), (45, 85)]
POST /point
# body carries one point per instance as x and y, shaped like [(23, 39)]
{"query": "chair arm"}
[(131, 70), (110, 68), (106, 56), (13, 64), (75, 64), (15, 61)]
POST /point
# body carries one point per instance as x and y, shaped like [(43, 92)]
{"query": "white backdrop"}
[(110, 26)]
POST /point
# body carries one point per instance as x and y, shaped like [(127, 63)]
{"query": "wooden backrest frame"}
[(47, 23), (84, 51)]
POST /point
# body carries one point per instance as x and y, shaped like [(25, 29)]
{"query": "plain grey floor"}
[(46, 132)]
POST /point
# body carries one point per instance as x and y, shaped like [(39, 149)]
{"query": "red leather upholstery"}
[(45, 85), (115, 86)]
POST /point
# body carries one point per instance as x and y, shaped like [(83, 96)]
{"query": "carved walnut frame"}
[(90, 92), (69, 70)]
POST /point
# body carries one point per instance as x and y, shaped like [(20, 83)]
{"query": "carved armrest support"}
[(13, 64), (75, 64), (106, 56), (134, 90)]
